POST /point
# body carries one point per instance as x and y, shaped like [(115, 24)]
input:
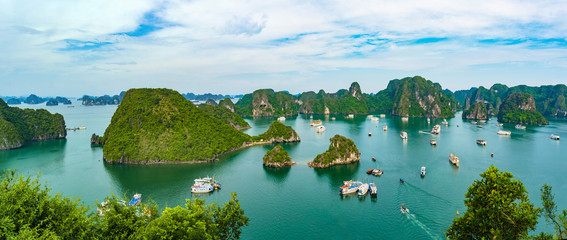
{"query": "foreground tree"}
[(498, 207), (549, 212), (29, 211)]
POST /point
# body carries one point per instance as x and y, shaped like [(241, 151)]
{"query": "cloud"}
[(290, 44)]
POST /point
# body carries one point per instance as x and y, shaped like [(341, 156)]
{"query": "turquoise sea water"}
[(301, 202)]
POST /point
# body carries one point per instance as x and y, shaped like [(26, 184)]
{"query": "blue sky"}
[(76, 47)]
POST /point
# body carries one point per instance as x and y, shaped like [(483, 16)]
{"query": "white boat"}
[(369, 133), (316, 123), (137, 199), (445, 122), (405, 119), (382, 115), (422, 172), (350, 116), (281, 119), (473, 122), (205, 188), (554, 137), (82, 128), (482, 121), (320, 129), (454, 159), (363, 189), (350, 187), (404, 135), (436, 129), (375, 119), (519, 126), (428, 120), (502, 132), (377, 172), (373, 190), (333, 118), (385, 128), (499, 124), (481, 142), (433, 142), (311, 117)]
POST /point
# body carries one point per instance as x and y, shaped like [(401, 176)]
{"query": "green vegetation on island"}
[(226, 115), (277, 157), (278, 133), (350, 101), (52, 102), (549, 99), (18, 126), (266, 103), (415, 97), (161, 126), (102, 100), (341, 151), (14, 101), (520, 108), (31, 211)]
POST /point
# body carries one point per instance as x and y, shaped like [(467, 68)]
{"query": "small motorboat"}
[(137, 199), (369, 171), (385, 128), (404, 135), (369, 133), (377, 172), (422, 172), (433, 142), (519, 126), (404, 209), (499, 124), (320, 129), (363, 189), (402, 180), (373, 190), (373, 159), (554, 137), (481, 142)]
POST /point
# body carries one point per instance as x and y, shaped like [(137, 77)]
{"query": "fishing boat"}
[(454, 160), (436, 129), (499, 124), (137, 199), (369, 133), (502, 132), (385, 128), (320, 129), (369, 171), (481, 142), (519, 126), (404, 135), (373, 190), (433, 142), (377, 172), (281, 119), (422, 172), (374, 159), (350, 187), (554, 137), (445, 122), (363, 189), (479, 126), (402, 180), (316, 123), (404, 209)]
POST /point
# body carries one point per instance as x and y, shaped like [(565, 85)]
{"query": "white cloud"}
[(290, 44)]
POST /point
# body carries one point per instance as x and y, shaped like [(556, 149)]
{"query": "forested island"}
[(277, 158), (341, 151), (266, 103), (18, 126), (160, 126), (102, 100), (520, 108)]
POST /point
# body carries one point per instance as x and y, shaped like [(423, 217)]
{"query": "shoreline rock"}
[(341, 151)]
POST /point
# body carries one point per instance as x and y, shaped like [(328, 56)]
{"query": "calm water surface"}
[(301, 202)]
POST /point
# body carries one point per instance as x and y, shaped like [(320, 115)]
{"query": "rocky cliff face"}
[(96, 140), (520, 108), (344, 101), (355, 91), (266, 103), (277, 158), (417, 97), (341, 151), (227, 103), (478, 111), (278, 133)]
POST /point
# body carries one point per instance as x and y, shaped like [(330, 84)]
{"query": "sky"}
[(97, 47)]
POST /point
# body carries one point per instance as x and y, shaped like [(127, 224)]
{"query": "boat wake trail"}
[(428, 193), (415, 221)]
